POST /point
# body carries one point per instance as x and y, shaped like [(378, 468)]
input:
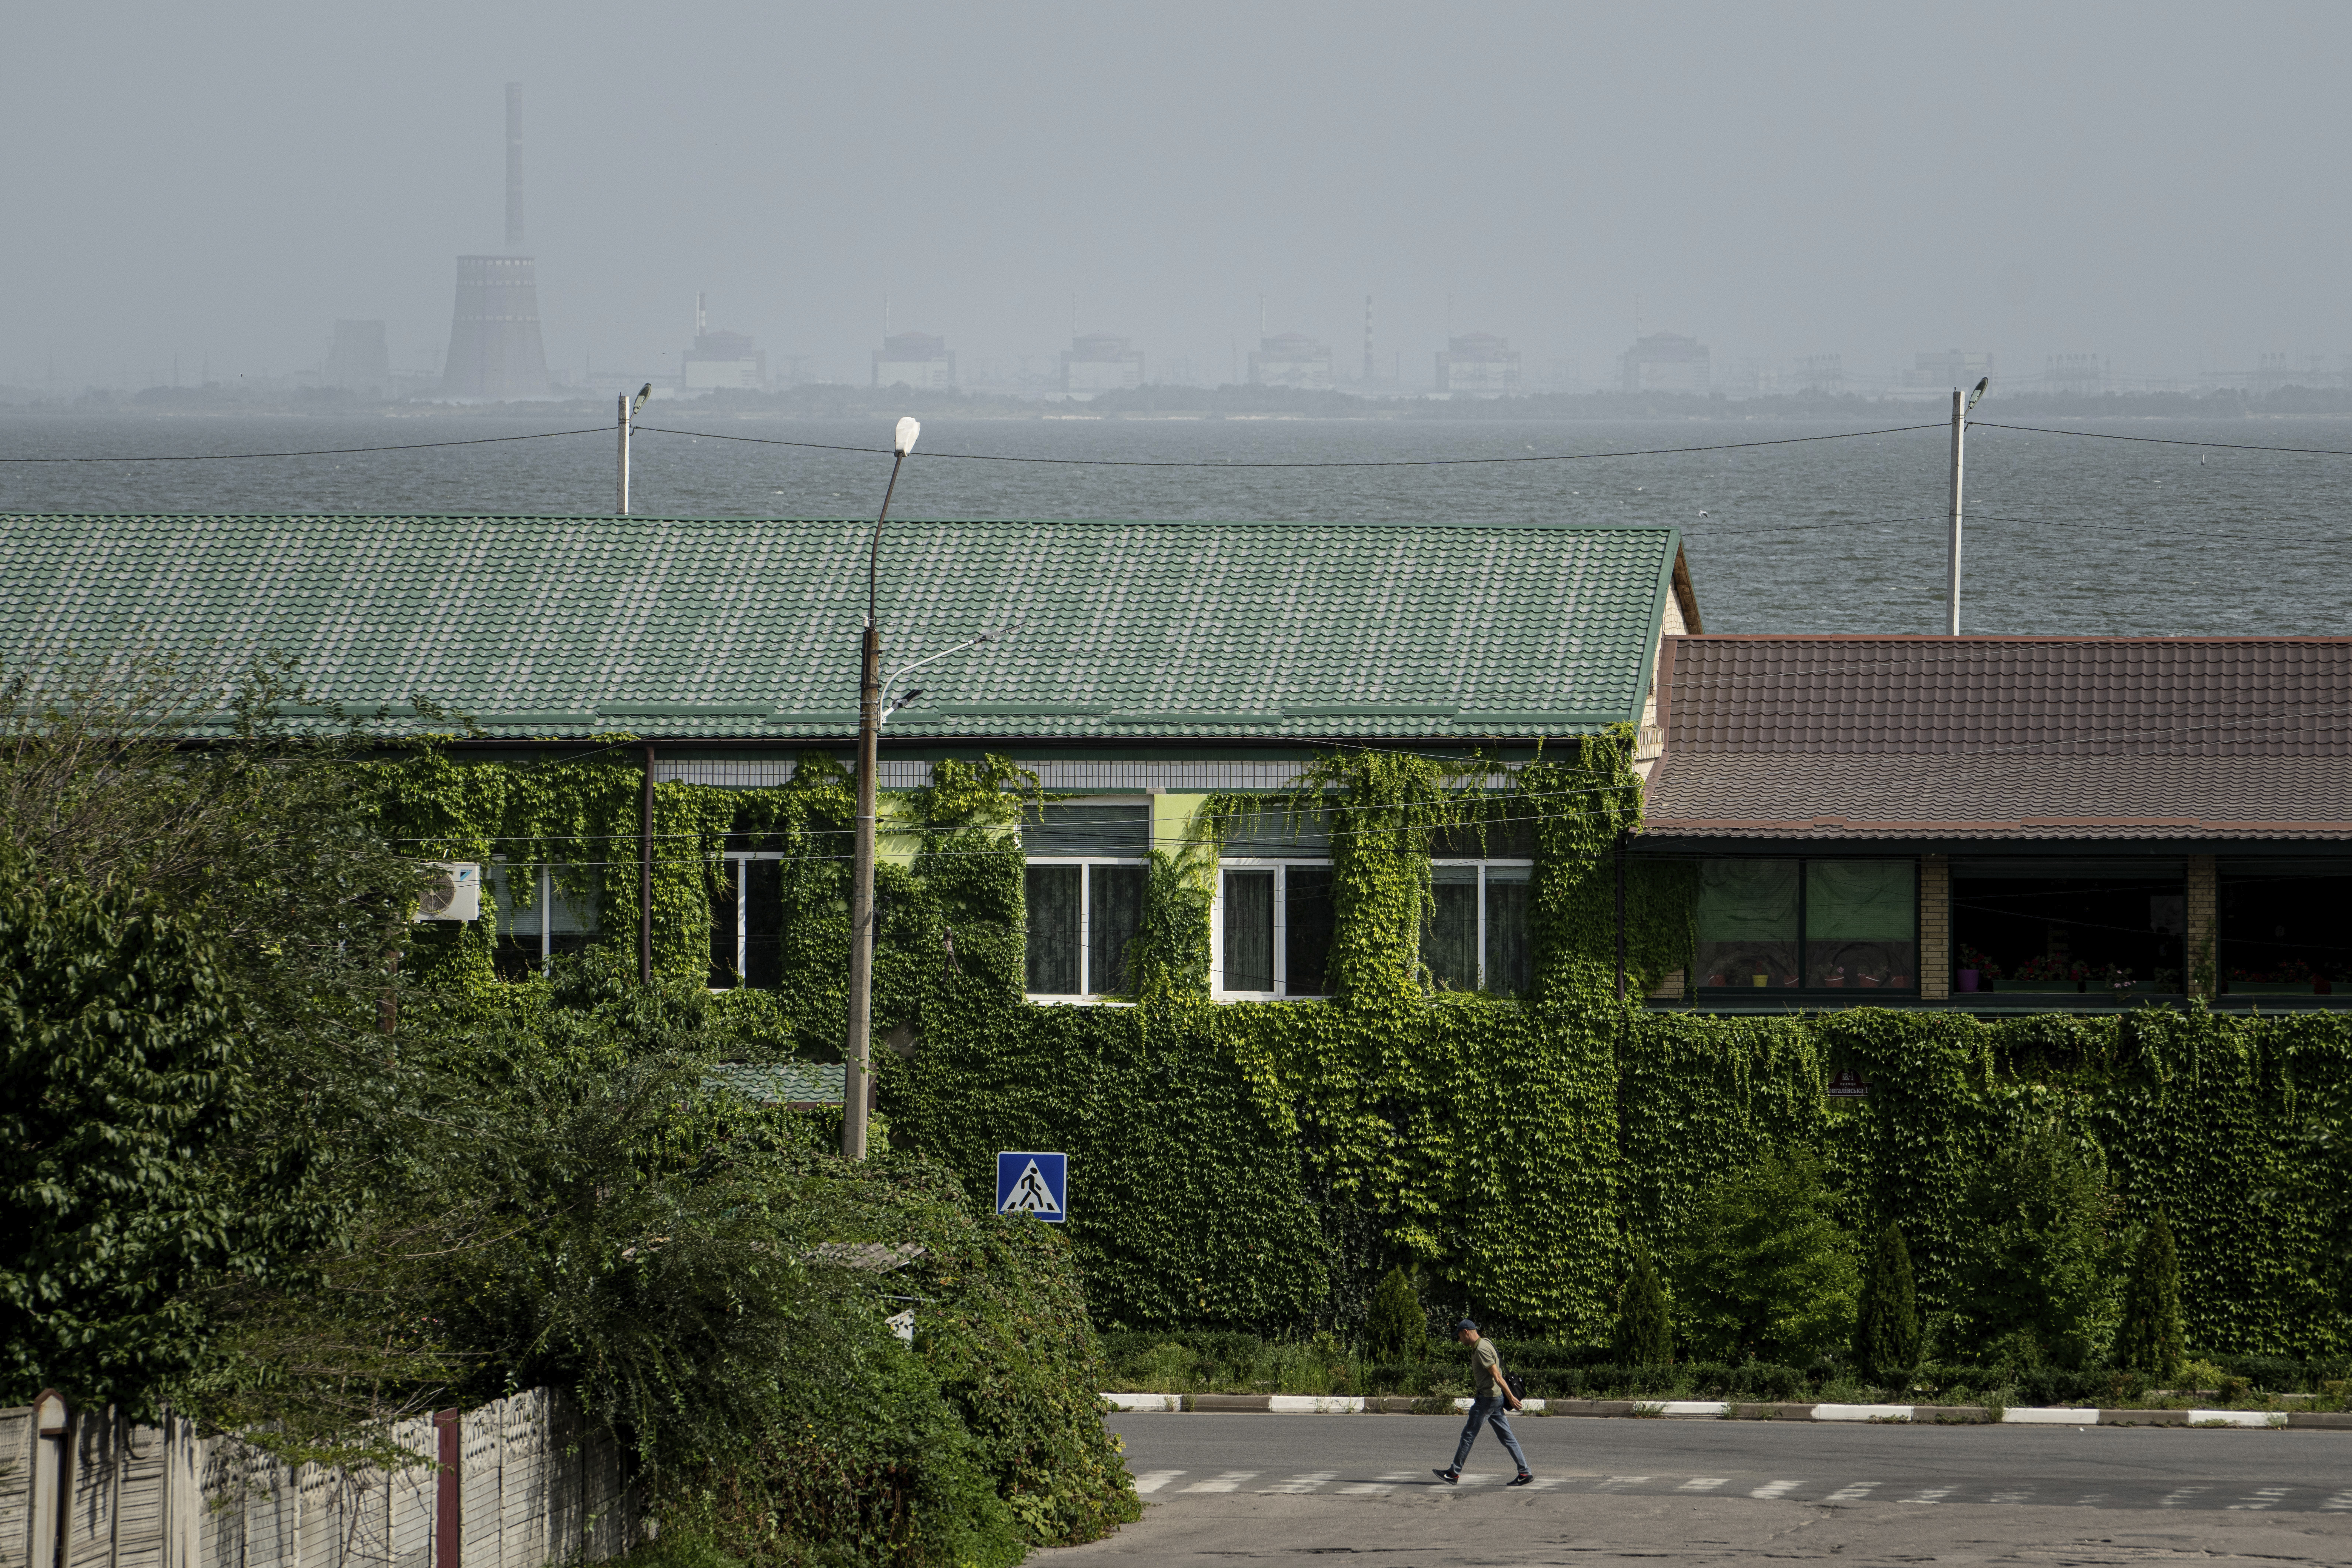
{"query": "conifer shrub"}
[(1645, 1333), (2149, 1340), (1396, 1329), (1887, 1340), (1765, 1273)]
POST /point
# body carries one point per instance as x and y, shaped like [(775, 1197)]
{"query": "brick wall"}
[(1935, 928), (2204, 886)]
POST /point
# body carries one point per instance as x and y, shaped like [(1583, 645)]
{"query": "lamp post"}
[(856, 1062), (629, 412), (1961, 412)]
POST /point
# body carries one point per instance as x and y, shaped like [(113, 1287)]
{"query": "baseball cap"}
[(1466, 1323)]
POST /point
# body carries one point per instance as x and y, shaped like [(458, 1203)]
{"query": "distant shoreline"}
[(1237, 404)]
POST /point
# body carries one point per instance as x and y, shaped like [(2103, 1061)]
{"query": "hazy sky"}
[(2158, 183)]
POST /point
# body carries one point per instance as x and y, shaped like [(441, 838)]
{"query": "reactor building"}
[(495, 352)]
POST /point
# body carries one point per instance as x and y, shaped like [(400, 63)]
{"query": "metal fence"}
[(522, 1483)]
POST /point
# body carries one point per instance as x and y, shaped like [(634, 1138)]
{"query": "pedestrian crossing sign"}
[(1034, 1183)]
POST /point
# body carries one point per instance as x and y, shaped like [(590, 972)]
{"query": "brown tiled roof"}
[(1843, 737)]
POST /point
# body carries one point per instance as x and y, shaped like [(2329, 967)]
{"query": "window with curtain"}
[(747, 932), (1862, 924), (1830, 925), (1474, 937), (1087, 872), (1746, 919), (1247, 950), (1273, 926), (530, 935)]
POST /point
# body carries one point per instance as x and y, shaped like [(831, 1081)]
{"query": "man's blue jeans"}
[(1489, 1411)]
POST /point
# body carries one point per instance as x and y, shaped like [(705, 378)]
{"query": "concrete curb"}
[(1717, 1410)]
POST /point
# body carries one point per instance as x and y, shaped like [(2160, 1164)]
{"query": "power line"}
[(328, 452), (2162, 440), (1350, 463)]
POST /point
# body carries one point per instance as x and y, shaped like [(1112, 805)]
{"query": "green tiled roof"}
[(780, 1083), (747, 627)]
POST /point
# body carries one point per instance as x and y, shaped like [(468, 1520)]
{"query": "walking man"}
[(1489, 1393)]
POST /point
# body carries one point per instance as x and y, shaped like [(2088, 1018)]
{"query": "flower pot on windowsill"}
[(1970, 977)]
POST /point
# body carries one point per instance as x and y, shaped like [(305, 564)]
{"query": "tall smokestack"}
[(495, 349), (514, 166)]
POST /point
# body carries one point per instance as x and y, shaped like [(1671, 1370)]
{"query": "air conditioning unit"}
[(453, 891)]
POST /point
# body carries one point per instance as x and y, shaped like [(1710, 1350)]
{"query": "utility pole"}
[(1959, 436), (857, 1057), (628, 415)]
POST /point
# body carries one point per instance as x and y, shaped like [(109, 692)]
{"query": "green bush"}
[(1645, 1331), (2037, 1265), (1396, 1329), (2149, 1340), (1765, 1273), (1886, 1339)]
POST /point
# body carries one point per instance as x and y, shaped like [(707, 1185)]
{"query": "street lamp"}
[(856, 1066), (629, 412), (1961, 412)]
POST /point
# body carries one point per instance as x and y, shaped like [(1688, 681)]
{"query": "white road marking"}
[(1702, 1483), (1933, 1494), (1772, 1489), (1859, 1491), (1620, 1481), (2089, 1500), (2260, 1498), (2010, 1497), (1152, 1480), (1230, 1481), (1382, 1488), (2337, 1504), (2182, 1496), (1305, 1483), (1478, 1480), (1544, 1483)]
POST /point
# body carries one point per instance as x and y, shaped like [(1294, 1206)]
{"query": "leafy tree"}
[(1645, 1333), (1886, 1341), (1765, 1273), (2037, 1263), (1396, 1329), (2150, 1340)]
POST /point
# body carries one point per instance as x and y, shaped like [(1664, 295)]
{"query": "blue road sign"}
[(1034, 1183)]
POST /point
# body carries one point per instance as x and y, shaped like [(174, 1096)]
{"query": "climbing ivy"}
[(1262, 1164)]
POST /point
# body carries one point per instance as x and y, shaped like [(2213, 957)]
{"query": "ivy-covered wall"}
[(1260, 1164)]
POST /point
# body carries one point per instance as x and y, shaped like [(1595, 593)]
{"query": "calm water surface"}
[(2066, 535)]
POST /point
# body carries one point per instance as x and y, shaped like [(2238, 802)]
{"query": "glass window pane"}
[(763, 924), (508, 881), (1089, 830), (1510, 970), (1306, 947), (1449, 941), (1747, 923), (722, 927), (1114, 910), (1248, 912), (1861, 920), (1053, 899)]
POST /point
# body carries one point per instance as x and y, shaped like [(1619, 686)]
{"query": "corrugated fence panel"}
[(523, 1481), (410, 1492), (478, 1435), (89, 1516), (318, 1517), (15, 1483), (185, 1515), (142, 1508), (271, 1510), (221, 1481)]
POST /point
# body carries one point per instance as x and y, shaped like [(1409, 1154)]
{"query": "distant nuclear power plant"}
[(495, 350)]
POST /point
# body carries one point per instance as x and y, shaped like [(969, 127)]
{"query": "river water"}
[(2066, 535)]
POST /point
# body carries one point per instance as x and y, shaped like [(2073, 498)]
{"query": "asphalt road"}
[(1242, 1488)]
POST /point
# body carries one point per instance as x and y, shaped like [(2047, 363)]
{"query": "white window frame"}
[(738, 867), (1280, 866), (1085, 994), (1482, 866)]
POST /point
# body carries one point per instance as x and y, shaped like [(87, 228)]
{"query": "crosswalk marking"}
[(2014, 1497), (1545, 1483), (2260, 1498), (2090, 1500), (1230, 1481), (1478, 1480), (1933, 1494), (1772, 1489), (1150, 1481), (1382, 1488), (1702, 1483), (1620, 1481), (2183, 1495), (1858, 1491), (1296, 1485), (2338, 1504)]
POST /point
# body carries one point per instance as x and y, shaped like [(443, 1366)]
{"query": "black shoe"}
[(1451, 1478), (1522, 1479)]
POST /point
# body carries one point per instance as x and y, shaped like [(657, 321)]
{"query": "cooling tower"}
[(495, 350)]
